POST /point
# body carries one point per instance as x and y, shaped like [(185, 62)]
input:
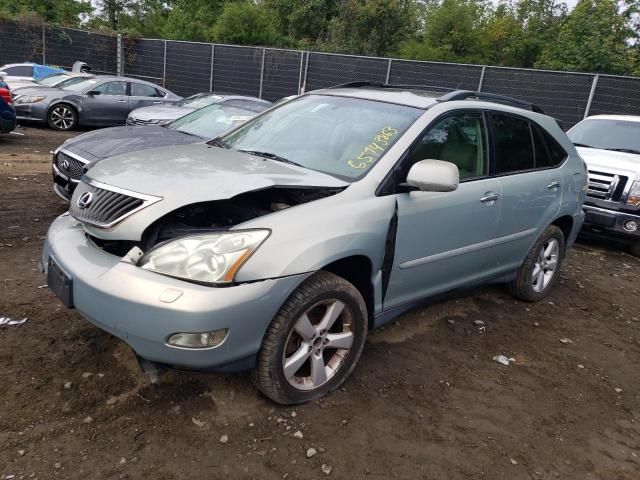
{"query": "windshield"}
[(52, 79), (198, 101), (211, 121), (340, 136), (607, 134), (70, 81), (81, 85)]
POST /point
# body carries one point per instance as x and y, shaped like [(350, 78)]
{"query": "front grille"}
[(103, 207), (69, 166), (136, 121), (606, 185)]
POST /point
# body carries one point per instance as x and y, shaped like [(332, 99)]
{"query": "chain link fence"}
[(190, 67)]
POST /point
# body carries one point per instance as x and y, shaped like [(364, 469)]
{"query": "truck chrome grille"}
[(104, 206), (69, 166), (605, 185)]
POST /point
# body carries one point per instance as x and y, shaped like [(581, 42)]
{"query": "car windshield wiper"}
[(583, 145), (271, 156), (625, 150), (218, 142)]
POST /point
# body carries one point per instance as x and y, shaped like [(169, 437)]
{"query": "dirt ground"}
[(426, 401)]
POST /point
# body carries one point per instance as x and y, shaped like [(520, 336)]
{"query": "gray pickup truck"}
[(610, 145)]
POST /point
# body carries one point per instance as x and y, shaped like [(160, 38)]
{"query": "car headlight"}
[(207, 258), (634, 194), (28, 99)]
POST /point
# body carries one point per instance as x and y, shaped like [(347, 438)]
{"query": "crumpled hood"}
[(188, 174), (159, 112), (610, 160), (108, 142)]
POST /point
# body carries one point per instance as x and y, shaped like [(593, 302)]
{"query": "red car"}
[(7, 112)]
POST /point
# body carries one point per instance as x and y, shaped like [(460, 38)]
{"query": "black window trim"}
[(390, 184), (532, 124)]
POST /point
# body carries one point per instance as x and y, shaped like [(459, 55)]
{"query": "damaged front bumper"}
[(144, 308)]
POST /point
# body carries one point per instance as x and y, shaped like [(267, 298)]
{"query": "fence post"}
[(264, 51), (304, 80), (591, 94), (484, 67), (119, 66), (44, 46), (164, 66), (213, 50), (388, 72), (300, 74)]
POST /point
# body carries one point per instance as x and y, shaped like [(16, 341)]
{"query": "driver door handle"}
[(157, 101), (553, 185), (122, 101), (490, 197)]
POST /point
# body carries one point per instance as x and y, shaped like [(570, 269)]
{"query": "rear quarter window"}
[(549, 153)]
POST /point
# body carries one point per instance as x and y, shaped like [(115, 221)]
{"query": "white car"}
[(610, 146)]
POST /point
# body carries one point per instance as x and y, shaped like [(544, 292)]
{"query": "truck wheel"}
[(313, 342), (634, 249), (540, 271), (62, 117)]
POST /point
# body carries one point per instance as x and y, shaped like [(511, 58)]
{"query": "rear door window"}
[(142, 90), (513, 143)]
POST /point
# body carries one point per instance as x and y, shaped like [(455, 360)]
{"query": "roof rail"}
[(464, 94), (364, 83), (452, 93)]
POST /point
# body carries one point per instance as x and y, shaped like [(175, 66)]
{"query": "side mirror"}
[(434, 176), (93, 93), (3, 74)]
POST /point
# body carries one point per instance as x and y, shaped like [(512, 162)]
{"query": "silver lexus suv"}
[(277, 246)]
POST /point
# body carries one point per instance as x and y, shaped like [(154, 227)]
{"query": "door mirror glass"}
[(93, 92), (434, 176)]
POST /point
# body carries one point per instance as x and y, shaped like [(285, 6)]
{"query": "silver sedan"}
[(98, 101)]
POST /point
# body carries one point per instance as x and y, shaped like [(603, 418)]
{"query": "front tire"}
[(634, 249), (540, 271), (62, 117), (313, 342)]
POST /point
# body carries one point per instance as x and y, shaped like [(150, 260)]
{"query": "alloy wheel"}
[(62, 117), (318, 344), (546, 264)]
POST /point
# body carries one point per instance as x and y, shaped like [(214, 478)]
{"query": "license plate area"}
[(60, 283)]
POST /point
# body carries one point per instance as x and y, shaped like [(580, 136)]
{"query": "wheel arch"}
[(565, 224), (357, 270)]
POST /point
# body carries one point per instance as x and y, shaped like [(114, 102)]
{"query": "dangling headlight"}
[(207, 258)]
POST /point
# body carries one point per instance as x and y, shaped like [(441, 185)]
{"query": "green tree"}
[(370, 27), (516, 32), (247, 24), (452, 31), (594, 38), (61, 12)]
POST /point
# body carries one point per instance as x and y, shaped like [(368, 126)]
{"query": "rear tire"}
[(314, 341), (62, 117), (540, 271)]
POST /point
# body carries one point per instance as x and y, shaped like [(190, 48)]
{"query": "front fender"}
[(307, 237)]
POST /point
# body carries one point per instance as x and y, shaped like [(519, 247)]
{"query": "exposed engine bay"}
[(217, 215)]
